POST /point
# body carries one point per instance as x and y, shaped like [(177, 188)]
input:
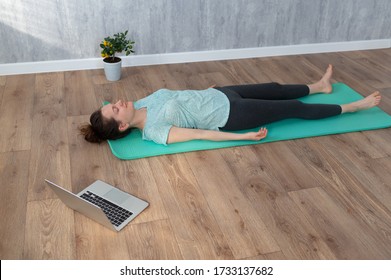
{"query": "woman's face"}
[(122, 112)]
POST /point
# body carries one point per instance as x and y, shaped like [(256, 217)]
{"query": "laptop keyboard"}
[(116, 214)]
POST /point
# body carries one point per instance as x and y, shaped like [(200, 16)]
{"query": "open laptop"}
[(102, 203)]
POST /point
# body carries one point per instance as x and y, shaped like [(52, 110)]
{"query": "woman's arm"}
[(178, 134)]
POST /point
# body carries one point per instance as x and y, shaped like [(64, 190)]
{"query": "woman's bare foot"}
[(368, 102), (324, 84)]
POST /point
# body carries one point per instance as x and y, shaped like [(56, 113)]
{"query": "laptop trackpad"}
[(116, 196)]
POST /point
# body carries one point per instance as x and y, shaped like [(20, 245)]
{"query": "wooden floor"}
[(317, 198)]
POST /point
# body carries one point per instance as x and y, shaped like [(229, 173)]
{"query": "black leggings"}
[(259, 104)]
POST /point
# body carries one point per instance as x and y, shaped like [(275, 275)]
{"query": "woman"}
[(168, 116)]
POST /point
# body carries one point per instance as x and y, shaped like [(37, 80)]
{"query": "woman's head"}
[(108, 123)]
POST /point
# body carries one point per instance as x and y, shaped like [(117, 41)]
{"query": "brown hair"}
[(101, 129)]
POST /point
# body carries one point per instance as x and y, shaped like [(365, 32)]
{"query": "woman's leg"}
[(275, 91), (268, 91), (368, 102), (251, 113), (324, 84)]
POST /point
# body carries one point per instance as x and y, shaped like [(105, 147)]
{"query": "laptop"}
[(102, 203)]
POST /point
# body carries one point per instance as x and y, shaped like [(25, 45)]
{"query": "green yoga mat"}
[(133, 147)]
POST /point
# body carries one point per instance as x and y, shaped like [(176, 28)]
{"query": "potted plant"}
[(118, 43)]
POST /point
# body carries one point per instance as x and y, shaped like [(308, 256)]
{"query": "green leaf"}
[(117, 43)]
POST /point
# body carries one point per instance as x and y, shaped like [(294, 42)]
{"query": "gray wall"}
[(41, 30)]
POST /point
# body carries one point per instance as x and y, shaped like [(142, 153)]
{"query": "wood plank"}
[(185, 75), (379, 59), (379, 69), (233, 72), (50, 155), (372, 173), (291, 73), (251, 71), (348, 191), (98, 77), (197, 232), (305, 71), (385, 103), (111, 92), (275, 72), (79, 93), (284, 166), (379, 139), (168, 76), (225, 68), (364, 145), (3, 80), (215, 78), (244, 71), (293, 69), (243, 228), (13, 203), (94, 241), (271, 256), (15, 113), (382, 56), (132, 86), (345, 236), (206, 67), (49, 231), (382, 177), (138, 84), (89, 162), (152, 241), (140, 179), (295, 236)]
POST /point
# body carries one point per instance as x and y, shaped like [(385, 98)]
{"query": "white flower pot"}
[(112, 69)]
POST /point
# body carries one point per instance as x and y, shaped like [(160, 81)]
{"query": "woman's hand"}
[(257, 135)]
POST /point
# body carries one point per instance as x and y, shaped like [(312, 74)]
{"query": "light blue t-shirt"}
[(202, 109)]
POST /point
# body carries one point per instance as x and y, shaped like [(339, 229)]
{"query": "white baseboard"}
[(170, 58)]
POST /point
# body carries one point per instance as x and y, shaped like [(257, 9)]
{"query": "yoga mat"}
[(133, 147)]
